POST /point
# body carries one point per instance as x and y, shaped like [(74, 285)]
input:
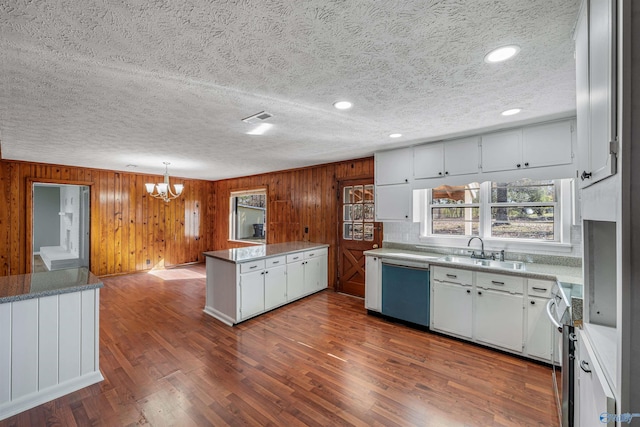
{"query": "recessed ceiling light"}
[(501, 54), (395, 135), (342, 105), (511, 112), (260, 129)]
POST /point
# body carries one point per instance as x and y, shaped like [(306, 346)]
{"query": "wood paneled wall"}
[(296, 199), (127, 226)]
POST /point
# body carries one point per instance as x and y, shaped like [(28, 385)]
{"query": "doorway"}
[(357, 232), (60, 226)]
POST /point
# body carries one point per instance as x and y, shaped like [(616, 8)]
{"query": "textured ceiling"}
[(107, 84)]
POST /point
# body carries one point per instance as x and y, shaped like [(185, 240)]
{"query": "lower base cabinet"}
[(539, 329), (499, 319), (275, 287), (372, 289), (251, 294), (456, 321)]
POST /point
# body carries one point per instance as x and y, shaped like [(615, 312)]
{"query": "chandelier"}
[(163, 190)]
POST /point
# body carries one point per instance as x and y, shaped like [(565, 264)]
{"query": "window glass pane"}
[(368, 213), (357, 231), (348, 191), (455, 221), (368, 231), (356, 212), (347, 213), (368, 193), (347, 231), (529, 222), (523, 191), (249, 213), (456, 194), (358, 194)]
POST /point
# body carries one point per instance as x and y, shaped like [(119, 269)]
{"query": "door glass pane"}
[(348, 195), (357, 231), (358, 196), (368, 213), (347, 233), (368, 231), (368, 193), (347, 213), (356, 212)]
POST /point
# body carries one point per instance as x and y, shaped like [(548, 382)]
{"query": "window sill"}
[(247, 242), (493, 244)]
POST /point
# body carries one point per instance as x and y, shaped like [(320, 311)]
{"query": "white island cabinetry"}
[(245, 282)]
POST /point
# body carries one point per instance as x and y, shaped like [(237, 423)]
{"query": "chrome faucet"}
[(473, 254)]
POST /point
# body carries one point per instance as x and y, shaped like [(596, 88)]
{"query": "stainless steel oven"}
[(563, 354)]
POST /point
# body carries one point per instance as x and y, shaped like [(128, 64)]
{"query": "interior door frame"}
[(29, 224)]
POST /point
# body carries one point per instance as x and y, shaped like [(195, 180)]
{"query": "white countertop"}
[(560, 273), (252, 253)]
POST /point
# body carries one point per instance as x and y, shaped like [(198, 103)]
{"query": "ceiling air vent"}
[(257, 118)]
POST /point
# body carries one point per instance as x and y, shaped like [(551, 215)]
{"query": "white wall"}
[(46, 221), (69, 223), (247, 216)]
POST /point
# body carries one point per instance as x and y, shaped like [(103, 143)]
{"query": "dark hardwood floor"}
[(319, 361)]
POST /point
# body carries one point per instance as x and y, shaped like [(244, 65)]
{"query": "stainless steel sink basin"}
[(506, 265)]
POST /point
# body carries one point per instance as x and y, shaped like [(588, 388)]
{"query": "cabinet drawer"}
[(452, 275), (298, 256), (275, 261), (247, 267), (512, 284), (315, 253), (539, 288)]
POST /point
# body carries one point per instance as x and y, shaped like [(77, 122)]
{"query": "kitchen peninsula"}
[(245, 282), (49, 336)]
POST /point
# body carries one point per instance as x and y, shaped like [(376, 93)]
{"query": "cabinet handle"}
[(518, 165), (585, 366), (295, 257), (266, 272), (539, 289), (311, 255), (452, 276), (526, 164), (406, 216), (479, 293), (585, 175), (440, 173), (262, 273), (533, 302), (276, 262), (468, 291), (252, 267), (406, 180), (497, 283), (446, 173)]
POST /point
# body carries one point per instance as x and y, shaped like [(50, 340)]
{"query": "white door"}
[(539, 329), (295, 280), (275, 287), (499, 319), (428, 160), (251, 294), (452, 308), (461, 156), (547, 145), (502, 151)]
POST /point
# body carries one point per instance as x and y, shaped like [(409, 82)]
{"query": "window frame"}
[(233, 194)]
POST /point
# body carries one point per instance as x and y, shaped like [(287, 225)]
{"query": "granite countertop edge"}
[(221, 253), (51, 292), (532, 270)]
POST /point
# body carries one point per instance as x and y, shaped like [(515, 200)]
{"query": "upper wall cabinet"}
[(456, 157), (596, 91), (549, 144), (394, 167)]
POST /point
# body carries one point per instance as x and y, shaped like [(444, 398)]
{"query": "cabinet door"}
[(539, 329), (461, 156), (499, 319), (372, 290), (251, 294), (323, 272), (428, 160), (295, 280), (502, 151), (547, 145), (394, 167), (275, 287), (595, 396), (393, 202), (602, 87), (583, 107), (311, 275), (451, 308)]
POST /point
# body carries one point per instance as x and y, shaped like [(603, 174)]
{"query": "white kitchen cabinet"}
[(306, 273), (394, 166), (251, 294), (394, 202), (372, 288), (295, 279), (275, 286), (499, 319), (594, 394), (314, 279), (547, 144), (539, 329), (596, 91), (448, 158), (452, 308)]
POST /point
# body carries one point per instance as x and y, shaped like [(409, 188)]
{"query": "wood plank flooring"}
[(319, 361)]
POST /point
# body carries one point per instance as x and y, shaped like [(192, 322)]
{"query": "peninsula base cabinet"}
[(237, 291), (492, 309)]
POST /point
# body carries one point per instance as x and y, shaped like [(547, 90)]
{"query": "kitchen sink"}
[(507, 265)]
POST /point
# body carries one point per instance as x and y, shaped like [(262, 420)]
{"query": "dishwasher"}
[(405, 291)]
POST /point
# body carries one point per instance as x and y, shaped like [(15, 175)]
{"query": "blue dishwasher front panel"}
[(405, 293)]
